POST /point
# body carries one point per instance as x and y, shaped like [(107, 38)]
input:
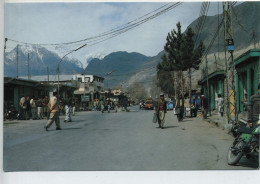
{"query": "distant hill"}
[(245, 20), (123, 64)]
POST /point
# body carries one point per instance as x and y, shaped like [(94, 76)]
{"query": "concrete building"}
[(247, 76), (90, 88)]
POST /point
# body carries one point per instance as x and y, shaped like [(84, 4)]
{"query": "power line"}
[(116, 31)]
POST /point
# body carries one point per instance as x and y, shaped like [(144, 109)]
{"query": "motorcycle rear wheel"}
[(232, 157)]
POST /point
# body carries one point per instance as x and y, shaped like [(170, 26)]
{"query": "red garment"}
[(161, 106)]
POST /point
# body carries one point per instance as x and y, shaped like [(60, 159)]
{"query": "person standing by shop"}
[(54, 112), (22, 108), (39, 108), (68, 108), (194, 107), (205, 107), (33, 108), (28, 108), (161, 110), (45, 102), (220, 105)]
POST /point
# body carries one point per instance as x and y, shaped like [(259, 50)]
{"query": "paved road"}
[(117, 141)]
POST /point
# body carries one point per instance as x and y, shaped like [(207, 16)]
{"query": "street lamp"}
[(58, 66), (109, 74)]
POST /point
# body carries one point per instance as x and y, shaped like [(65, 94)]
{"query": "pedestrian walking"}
[(68, 108), (73, 106), (54, 112), (194, 107), (179, 108), (33, 108), (220, 105), (187, 107), (254, 108), (101, 105), (161, 110)]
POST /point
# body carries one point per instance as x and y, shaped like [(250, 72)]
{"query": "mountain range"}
[(39, 59), (126, 68)]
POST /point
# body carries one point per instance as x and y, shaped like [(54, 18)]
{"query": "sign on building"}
[(85, 98)]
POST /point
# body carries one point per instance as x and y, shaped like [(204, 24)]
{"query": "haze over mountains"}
[(130, 67)]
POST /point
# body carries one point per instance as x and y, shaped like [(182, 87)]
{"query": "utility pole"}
[(216, 62), (230, 105), (48, 72), (208, 97), (17, 61), (5, 48), (28, 66)]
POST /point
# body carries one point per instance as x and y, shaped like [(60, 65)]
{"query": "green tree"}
[(166, 82), (180, 55), (137, 91)]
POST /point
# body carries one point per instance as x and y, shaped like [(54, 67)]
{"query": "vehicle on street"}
[(245, 144), (149, 104), (170, 105), (142, 104)]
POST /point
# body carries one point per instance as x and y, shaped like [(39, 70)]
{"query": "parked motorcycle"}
[(11, 113), (236, 125), (246, 144)]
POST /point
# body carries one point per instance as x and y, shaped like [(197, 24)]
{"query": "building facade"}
[(216, 86), (247, 76)]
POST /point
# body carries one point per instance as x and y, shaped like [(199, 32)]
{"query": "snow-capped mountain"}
[(39, 59)]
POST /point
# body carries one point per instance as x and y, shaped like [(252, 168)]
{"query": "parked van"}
[(148, 103)]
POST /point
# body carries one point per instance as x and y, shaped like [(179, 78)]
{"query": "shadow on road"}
[(70, 128), (170, 127), (248, 163)]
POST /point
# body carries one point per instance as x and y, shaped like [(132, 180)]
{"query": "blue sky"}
[(65, 22)]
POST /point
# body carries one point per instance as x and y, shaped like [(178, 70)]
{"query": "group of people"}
[(33, 108), (186, 108), (253, 108), (39, 108)]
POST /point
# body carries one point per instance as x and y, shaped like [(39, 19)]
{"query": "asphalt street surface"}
[(123, 141)]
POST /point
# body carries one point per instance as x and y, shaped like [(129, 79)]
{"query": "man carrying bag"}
[(161, 110)]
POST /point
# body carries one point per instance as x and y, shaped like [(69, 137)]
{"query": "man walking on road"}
[(161, 110), (54, 113), (68, 108)]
